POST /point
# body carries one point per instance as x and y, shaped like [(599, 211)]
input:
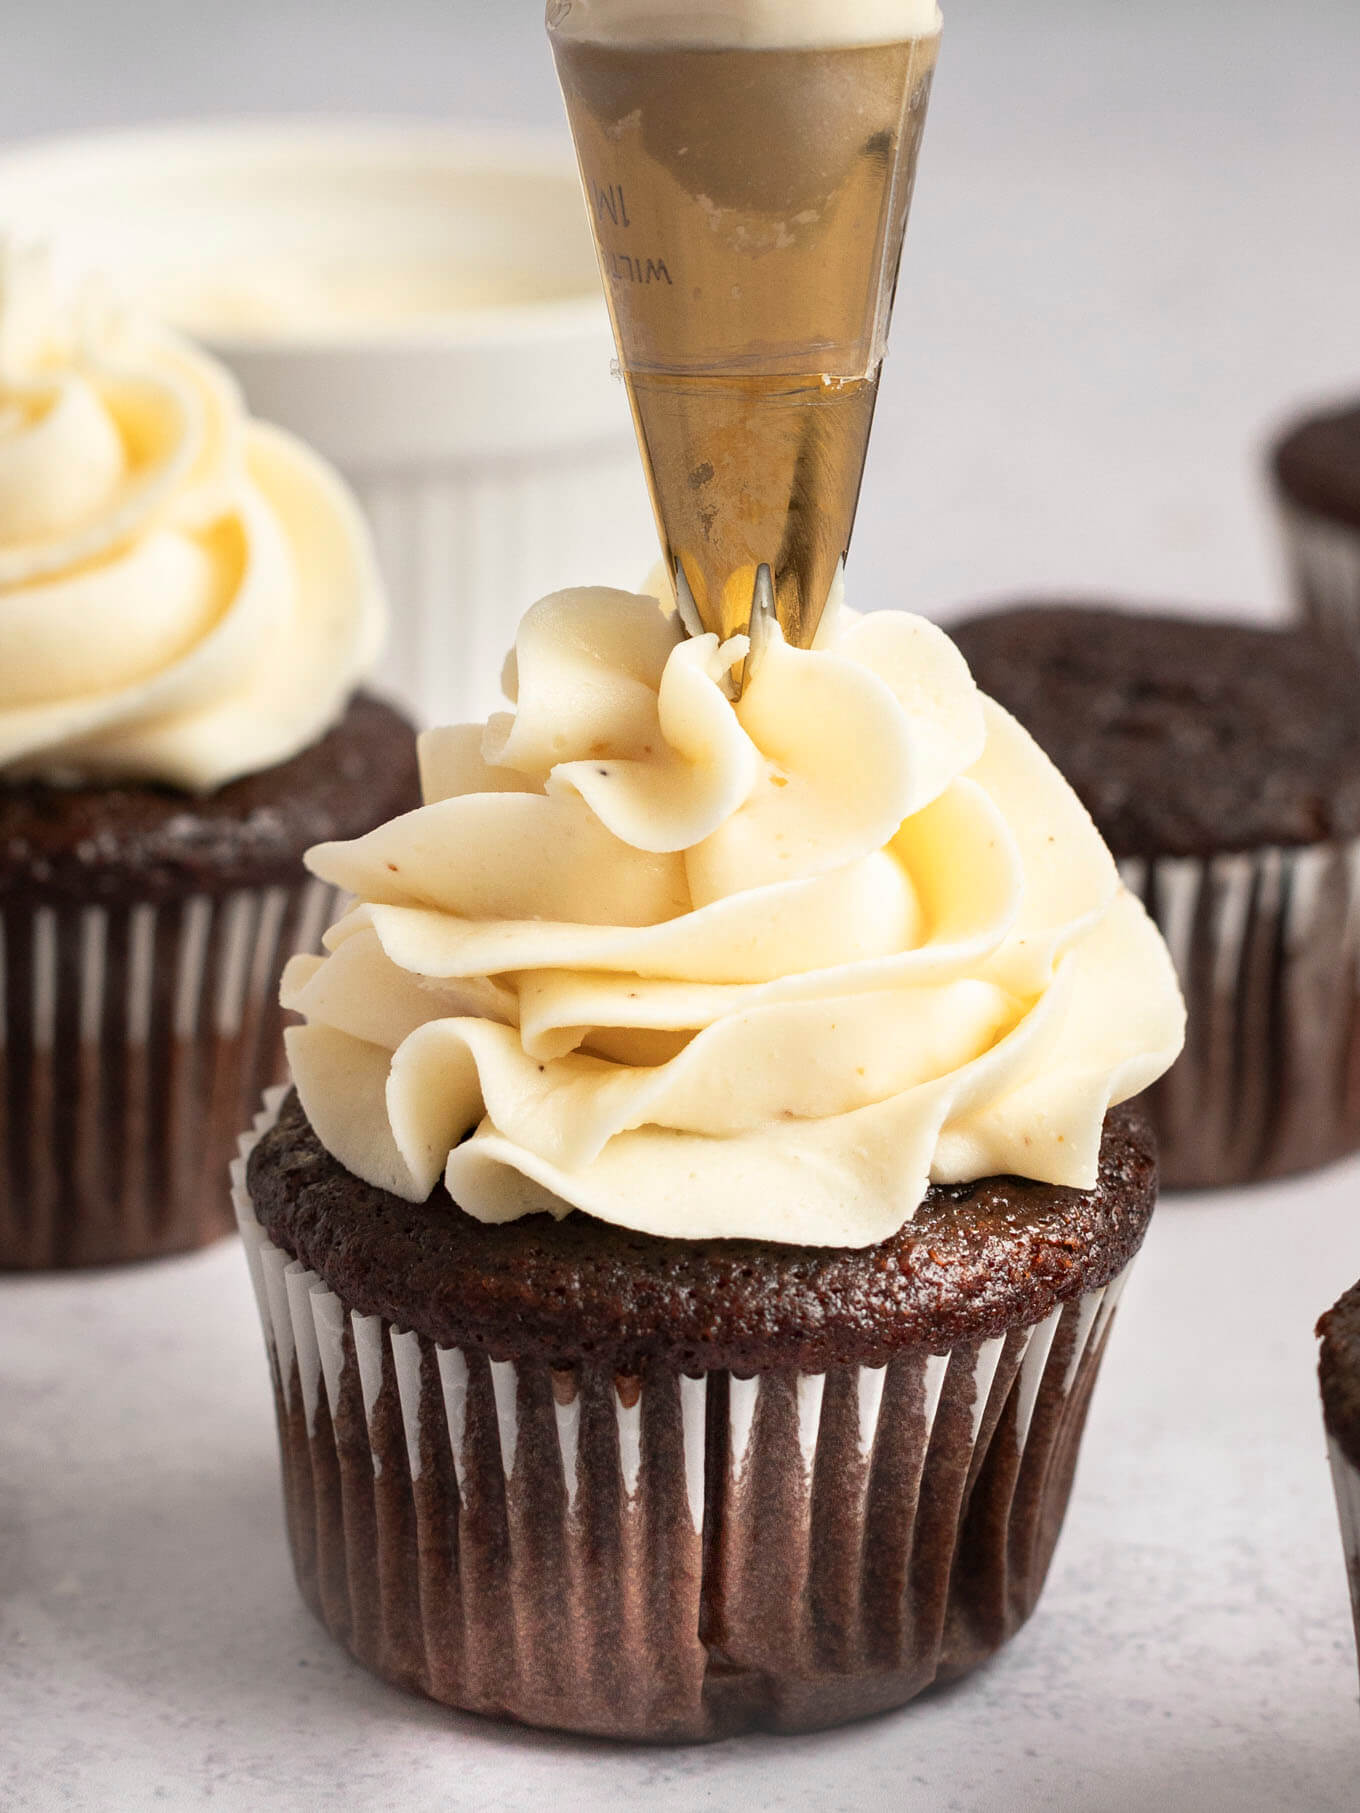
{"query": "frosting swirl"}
[(185, 595), (712, 969)]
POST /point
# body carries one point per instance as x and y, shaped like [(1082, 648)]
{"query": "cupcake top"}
[(186, 596), (1339, 1373), (1182, 736), (118, 843), (976, 1260), (713, 969), (1317, 464)]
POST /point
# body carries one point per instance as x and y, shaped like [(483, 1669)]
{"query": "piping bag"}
[(748, 169)]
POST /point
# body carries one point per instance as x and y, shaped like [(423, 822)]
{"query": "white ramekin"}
[(492, 447)]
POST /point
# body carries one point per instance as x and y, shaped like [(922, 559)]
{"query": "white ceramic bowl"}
[(472, 406)]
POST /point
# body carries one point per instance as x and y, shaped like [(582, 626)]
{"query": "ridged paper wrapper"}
[(666, 1557), (1266, 944), (135, 1040), (1323, 557)]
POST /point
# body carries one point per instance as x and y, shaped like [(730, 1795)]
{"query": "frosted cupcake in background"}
[(1221, 761), (687, 1256), (188, 600)]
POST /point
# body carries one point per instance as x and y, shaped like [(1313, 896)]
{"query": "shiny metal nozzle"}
[(749, 207)]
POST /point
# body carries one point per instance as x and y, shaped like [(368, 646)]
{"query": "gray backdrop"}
[(1136, 241)]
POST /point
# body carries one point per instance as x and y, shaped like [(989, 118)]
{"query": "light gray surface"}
[(1135, 243), (1192, 1653)]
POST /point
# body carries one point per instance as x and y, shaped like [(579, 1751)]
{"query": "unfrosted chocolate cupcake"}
[(1339, 1379), (664, 1341), (187, 602), (1315, 466), (1221, 762), (649, 1488)]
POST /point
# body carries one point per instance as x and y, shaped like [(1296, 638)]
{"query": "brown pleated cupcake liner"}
[(665, 1557), (1346, 1479), (134, 1043), (1324, 568), (1267, 947)]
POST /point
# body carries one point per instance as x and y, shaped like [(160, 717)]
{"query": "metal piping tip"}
[(763, 619), (686, 609), (750, 278)]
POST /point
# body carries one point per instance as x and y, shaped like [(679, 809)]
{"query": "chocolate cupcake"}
[(1315, 466), (1339, 1379), (1221, 762), (187, 600), (664, 1339), (664, 1489)]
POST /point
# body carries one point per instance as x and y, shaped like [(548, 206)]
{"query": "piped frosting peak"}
[(705, 968)]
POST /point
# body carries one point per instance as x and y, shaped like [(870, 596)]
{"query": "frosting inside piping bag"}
[(752, 24), (711, 969)]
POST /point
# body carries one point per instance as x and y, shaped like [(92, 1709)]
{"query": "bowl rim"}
[(491, 146)]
